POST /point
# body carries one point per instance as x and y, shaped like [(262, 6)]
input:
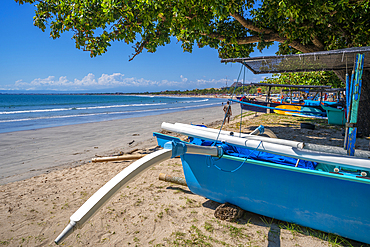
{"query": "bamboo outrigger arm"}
[(97, 200)]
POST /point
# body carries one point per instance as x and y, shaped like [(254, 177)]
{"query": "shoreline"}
[(33, 152), (105, 109)]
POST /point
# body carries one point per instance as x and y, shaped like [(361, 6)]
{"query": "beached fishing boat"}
[(283, 109), (286, 105), (319, 190), (311, 185)]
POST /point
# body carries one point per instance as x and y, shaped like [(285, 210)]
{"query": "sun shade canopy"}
[(288, 85), (317, 61)]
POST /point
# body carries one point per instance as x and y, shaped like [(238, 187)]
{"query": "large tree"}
[(234, 27)]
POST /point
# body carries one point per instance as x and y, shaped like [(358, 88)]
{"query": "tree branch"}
[(315, 40), (269, 35), (249, 25), (239, 41), (139, 48), (267, 38)]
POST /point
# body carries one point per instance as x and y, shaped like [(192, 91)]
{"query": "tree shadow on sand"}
[(276, 226)]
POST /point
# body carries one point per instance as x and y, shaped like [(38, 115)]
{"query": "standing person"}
[(227, 110)]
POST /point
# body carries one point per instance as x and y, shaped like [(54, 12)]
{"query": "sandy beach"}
[(47, 174), (29, 153)]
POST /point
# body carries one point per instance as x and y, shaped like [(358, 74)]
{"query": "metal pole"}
[(348, 86)]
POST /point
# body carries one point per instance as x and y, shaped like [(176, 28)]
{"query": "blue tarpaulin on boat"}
[(312, 103), (318, 103), (257, 155)]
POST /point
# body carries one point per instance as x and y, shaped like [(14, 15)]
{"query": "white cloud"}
[(36, 83), (87, 81), (113, 81), (183, 78)]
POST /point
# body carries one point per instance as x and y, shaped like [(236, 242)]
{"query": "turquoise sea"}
[(33, 111)]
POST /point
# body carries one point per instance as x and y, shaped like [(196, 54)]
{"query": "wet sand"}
[(25, 154)]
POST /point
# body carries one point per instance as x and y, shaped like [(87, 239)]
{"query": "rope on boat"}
[(223, 122), (269, 132), (241, 109), (219, 168)]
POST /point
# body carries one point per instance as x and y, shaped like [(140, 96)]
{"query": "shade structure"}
[(341, 59)]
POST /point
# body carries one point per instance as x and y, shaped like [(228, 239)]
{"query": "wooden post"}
[(281, 95), (268, 94), (352, 124)]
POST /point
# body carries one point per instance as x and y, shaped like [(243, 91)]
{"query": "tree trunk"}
[(363, 118), (364, 107)]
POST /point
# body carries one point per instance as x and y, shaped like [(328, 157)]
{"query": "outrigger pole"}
[(97, 200), (300, 145), (273, 148)]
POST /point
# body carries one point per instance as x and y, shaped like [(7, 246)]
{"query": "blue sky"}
[(32, 61)]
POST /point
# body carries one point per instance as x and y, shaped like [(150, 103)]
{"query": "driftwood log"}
[(172, 179), (117, 158)]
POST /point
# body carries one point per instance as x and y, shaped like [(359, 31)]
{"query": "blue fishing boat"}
[(315, 194)]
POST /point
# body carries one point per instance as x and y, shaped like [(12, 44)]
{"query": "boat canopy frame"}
[(334, 60)]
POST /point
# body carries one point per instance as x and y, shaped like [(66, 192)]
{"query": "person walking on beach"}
[(227, 110)]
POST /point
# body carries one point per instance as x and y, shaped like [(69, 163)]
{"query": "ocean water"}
[(28, 112)]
